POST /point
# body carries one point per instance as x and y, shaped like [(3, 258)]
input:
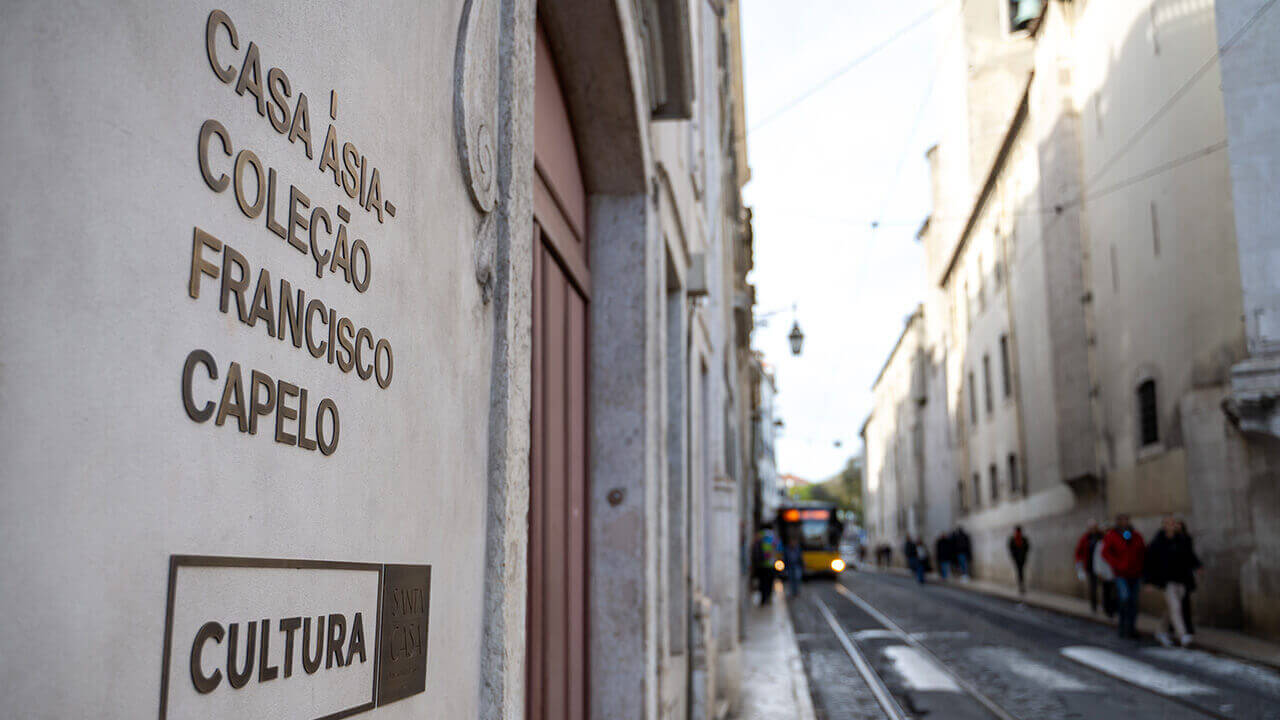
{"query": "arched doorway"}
[(556, 679)]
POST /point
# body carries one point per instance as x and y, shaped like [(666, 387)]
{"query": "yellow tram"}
[(819, 529)]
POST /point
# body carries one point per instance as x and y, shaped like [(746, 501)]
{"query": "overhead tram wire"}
[(892, 187), (870, 53), (1143, 129), (1162, 168), (1175, 97), (1146, 126), (1058, 209), (1146, 174)]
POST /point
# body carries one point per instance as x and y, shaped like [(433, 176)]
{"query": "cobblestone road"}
[(941, 652)]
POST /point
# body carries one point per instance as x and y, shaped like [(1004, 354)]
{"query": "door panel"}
[(557, 607), (576, 412), (558, 493)]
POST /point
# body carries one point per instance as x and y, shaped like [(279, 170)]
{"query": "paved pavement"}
[(878, 645), (774, 686)]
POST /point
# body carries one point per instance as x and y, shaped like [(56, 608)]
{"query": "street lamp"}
[(796, 338)]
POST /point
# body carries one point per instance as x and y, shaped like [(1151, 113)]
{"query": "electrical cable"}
[(1177, 95), (870, 53), (892, 187), (1150, 173)]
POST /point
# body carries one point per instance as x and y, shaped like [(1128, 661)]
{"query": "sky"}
[(822, 172)]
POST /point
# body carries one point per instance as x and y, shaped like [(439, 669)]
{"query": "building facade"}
[(1086, 292), (770, 490), (498, 445), (1255, 381)]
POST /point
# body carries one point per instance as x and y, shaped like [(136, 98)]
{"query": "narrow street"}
[(877, 645)]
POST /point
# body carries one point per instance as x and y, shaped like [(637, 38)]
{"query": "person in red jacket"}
[(1123, 549)]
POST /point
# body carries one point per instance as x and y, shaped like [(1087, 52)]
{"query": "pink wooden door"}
[(557, 612)]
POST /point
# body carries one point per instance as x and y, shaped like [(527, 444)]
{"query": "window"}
[(964, 499), (986, 378), (1115, 270), (977, 491), (955, 327), (973, 400), (997, 274), (995, 483), (982, 288), (1022, 13), (1004, 366), (1155, 30), (1148, 413), (1015, 487), (1155, 230)]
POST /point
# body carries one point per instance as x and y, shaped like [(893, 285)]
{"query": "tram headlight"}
[(837, 565), (779, 565)]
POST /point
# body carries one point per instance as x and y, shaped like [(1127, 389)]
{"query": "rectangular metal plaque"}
[(273, 638), (402, 657)]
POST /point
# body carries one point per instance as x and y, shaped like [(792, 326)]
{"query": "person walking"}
[(1085, 546), (764, 553), (1186, 601), (1124, 550), (911, 549), (1170, 565), (1019, 546), (963, 550), (1106, 578), (944, 551), (793, 562)]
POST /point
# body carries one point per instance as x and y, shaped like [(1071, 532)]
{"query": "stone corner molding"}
[(475, 100), (1254, 402)]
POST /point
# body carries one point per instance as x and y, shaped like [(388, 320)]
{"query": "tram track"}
[(887, 702), (1066, 640), (894, 710)]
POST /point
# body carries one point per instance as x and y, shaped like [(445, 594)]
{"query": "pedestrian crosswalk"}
[(1261, 679), (919, 671), (1016, 663), (1136, 672)]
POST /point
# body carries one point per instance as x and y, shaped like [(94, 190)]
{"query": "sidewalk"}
[(774, 686), (1226, 642)]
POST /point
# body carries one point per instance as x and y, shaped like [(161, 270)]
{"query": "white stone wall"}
[(1250, 91), (893, 440), (1166, 282), (1251, 35), (105, 475)]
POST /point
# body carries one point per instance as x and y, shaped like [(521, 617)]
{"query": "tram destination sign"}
[(263, 638)]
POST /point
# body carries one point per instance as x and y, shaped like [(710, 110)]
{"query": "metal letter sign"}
[(402, 655), (264, 638)]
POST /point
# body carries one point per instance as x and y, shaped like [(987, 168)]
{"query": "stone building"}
[(498, 445), (894, 473), (1253, 145), (769, 487), (1085, 292)]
